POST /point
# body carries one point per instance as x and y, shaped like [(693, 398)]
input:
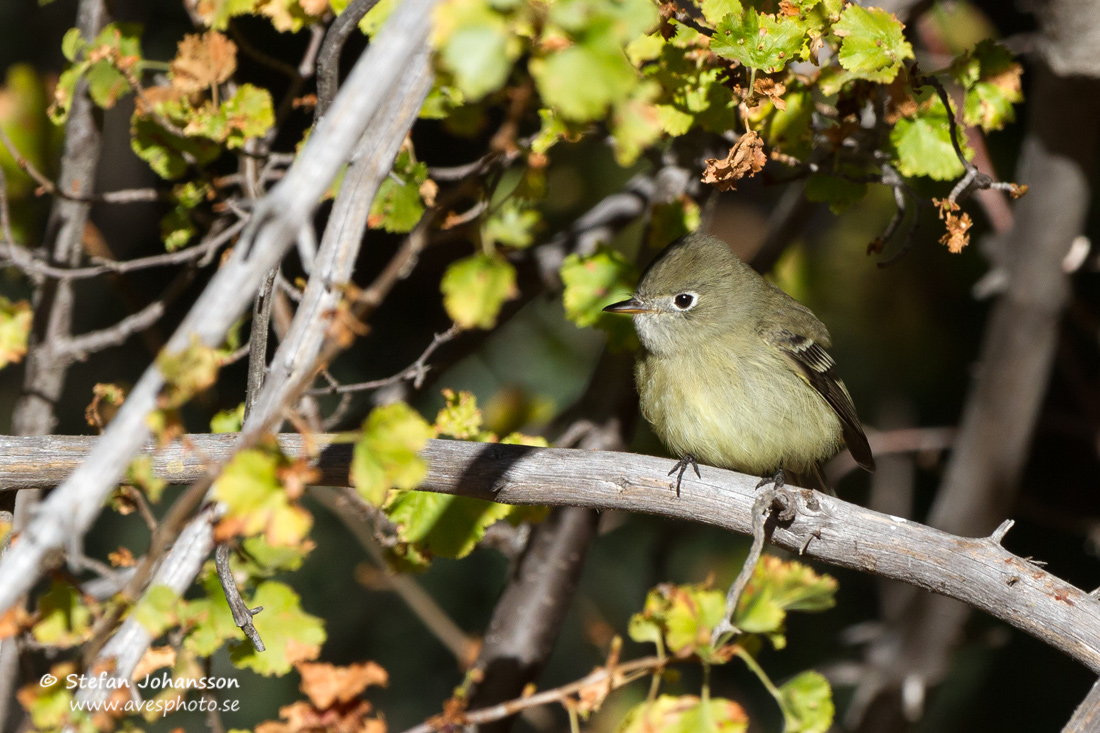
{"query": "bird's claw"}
[(779, 480), (681, 466)]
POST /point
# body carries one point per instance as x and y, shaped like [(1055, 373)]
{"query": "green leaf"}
[(262, 559), (459, 417), (140, 474), (594, 282), (583, 81), (789, 130), (377, 16), (778, 586), (385, 455), (692, 93), (685, 714), (444, 525), (167, 153), (248, 113), (512, 225), (873, 44), (635, 124), (759, 40), (290, 634), (64, 618), (685, 616), (807, 703), (255, 500), (15, 327), (991, 77), (216, 13), (72, 44), (923, 147), (157, 610), (839, 193), (105, 84), (228, 421), (177, 229), (397, 207), (186, 372), (476, 287), (673, 220), (475, 45)]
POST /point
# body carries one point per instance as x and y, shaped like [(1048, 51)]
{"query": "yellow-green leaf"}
[(475, 289), (385, 456)]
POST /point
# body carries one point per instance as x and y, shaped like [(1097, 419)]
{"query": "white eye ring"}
[(685, 301)]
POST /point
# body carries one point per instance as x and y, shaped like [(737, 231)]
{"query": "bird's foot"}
[(779, 480), (681, 466)]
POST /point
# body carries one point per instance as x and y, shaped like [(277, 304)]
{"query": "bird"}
[(733, 371)]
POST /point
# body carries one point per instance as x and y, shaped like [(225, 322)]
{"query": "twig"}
[(257, 341), (350, 509), (768, 501), (5, 213), (31, 266), (328, 58), (242, 614), (609, 678), (415, 371)]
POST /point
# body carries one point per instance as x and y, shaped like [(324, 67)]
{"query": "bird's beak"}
[(628, 307)]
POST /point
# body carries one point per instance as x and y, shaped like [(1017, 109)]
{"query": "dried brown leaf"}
[(203, 61), (326, 684), (746, 158), (958, 225)]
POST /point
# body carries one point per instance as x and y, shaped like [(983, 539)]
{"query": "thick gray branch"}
[(977, 571)]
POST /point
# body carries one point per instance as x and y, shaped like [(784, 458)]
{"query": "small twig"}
[(762, 508), (23, 260), (5, 213), (328, 58), (904, 197), (999, 534), (242, 614), (415, 371), (261, 327), (138, 497), (609, 678), (683, 18), (355, 514)]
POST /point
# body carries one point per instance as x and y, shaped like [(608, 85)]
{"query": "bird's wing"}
[(819, 370)]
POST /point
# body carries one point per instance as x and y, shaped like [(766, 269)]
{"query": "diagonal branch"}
[(70, 510)]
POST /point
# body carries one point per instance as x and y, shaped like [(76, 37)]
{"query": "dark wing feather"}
[(819, 369)]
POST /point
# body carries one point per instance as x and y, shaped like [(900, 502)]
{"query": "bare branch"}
[(976, 571), (611, 677), (24, 261), (350, 509), (242, 614), (1086, 718), (415, 371), (328, 58)]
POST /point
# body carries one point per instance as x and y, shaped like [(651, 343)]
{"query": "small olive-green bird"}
[(733, 371)]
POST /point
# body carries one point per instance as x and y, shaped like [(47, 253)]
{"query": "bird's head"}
[(695, 291)]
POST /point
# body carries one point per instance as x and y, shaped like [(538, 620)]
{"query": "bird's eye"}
[(683, 301)]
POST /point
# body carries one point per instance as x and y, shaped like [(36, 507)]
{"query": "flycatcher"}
[(733, 371)]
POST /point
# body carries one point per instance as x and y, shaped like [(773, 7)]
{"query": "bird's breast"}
[(754, 415)]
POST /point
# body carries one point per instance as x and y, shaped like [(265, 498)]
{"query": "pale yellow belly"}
[(753, 417)]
